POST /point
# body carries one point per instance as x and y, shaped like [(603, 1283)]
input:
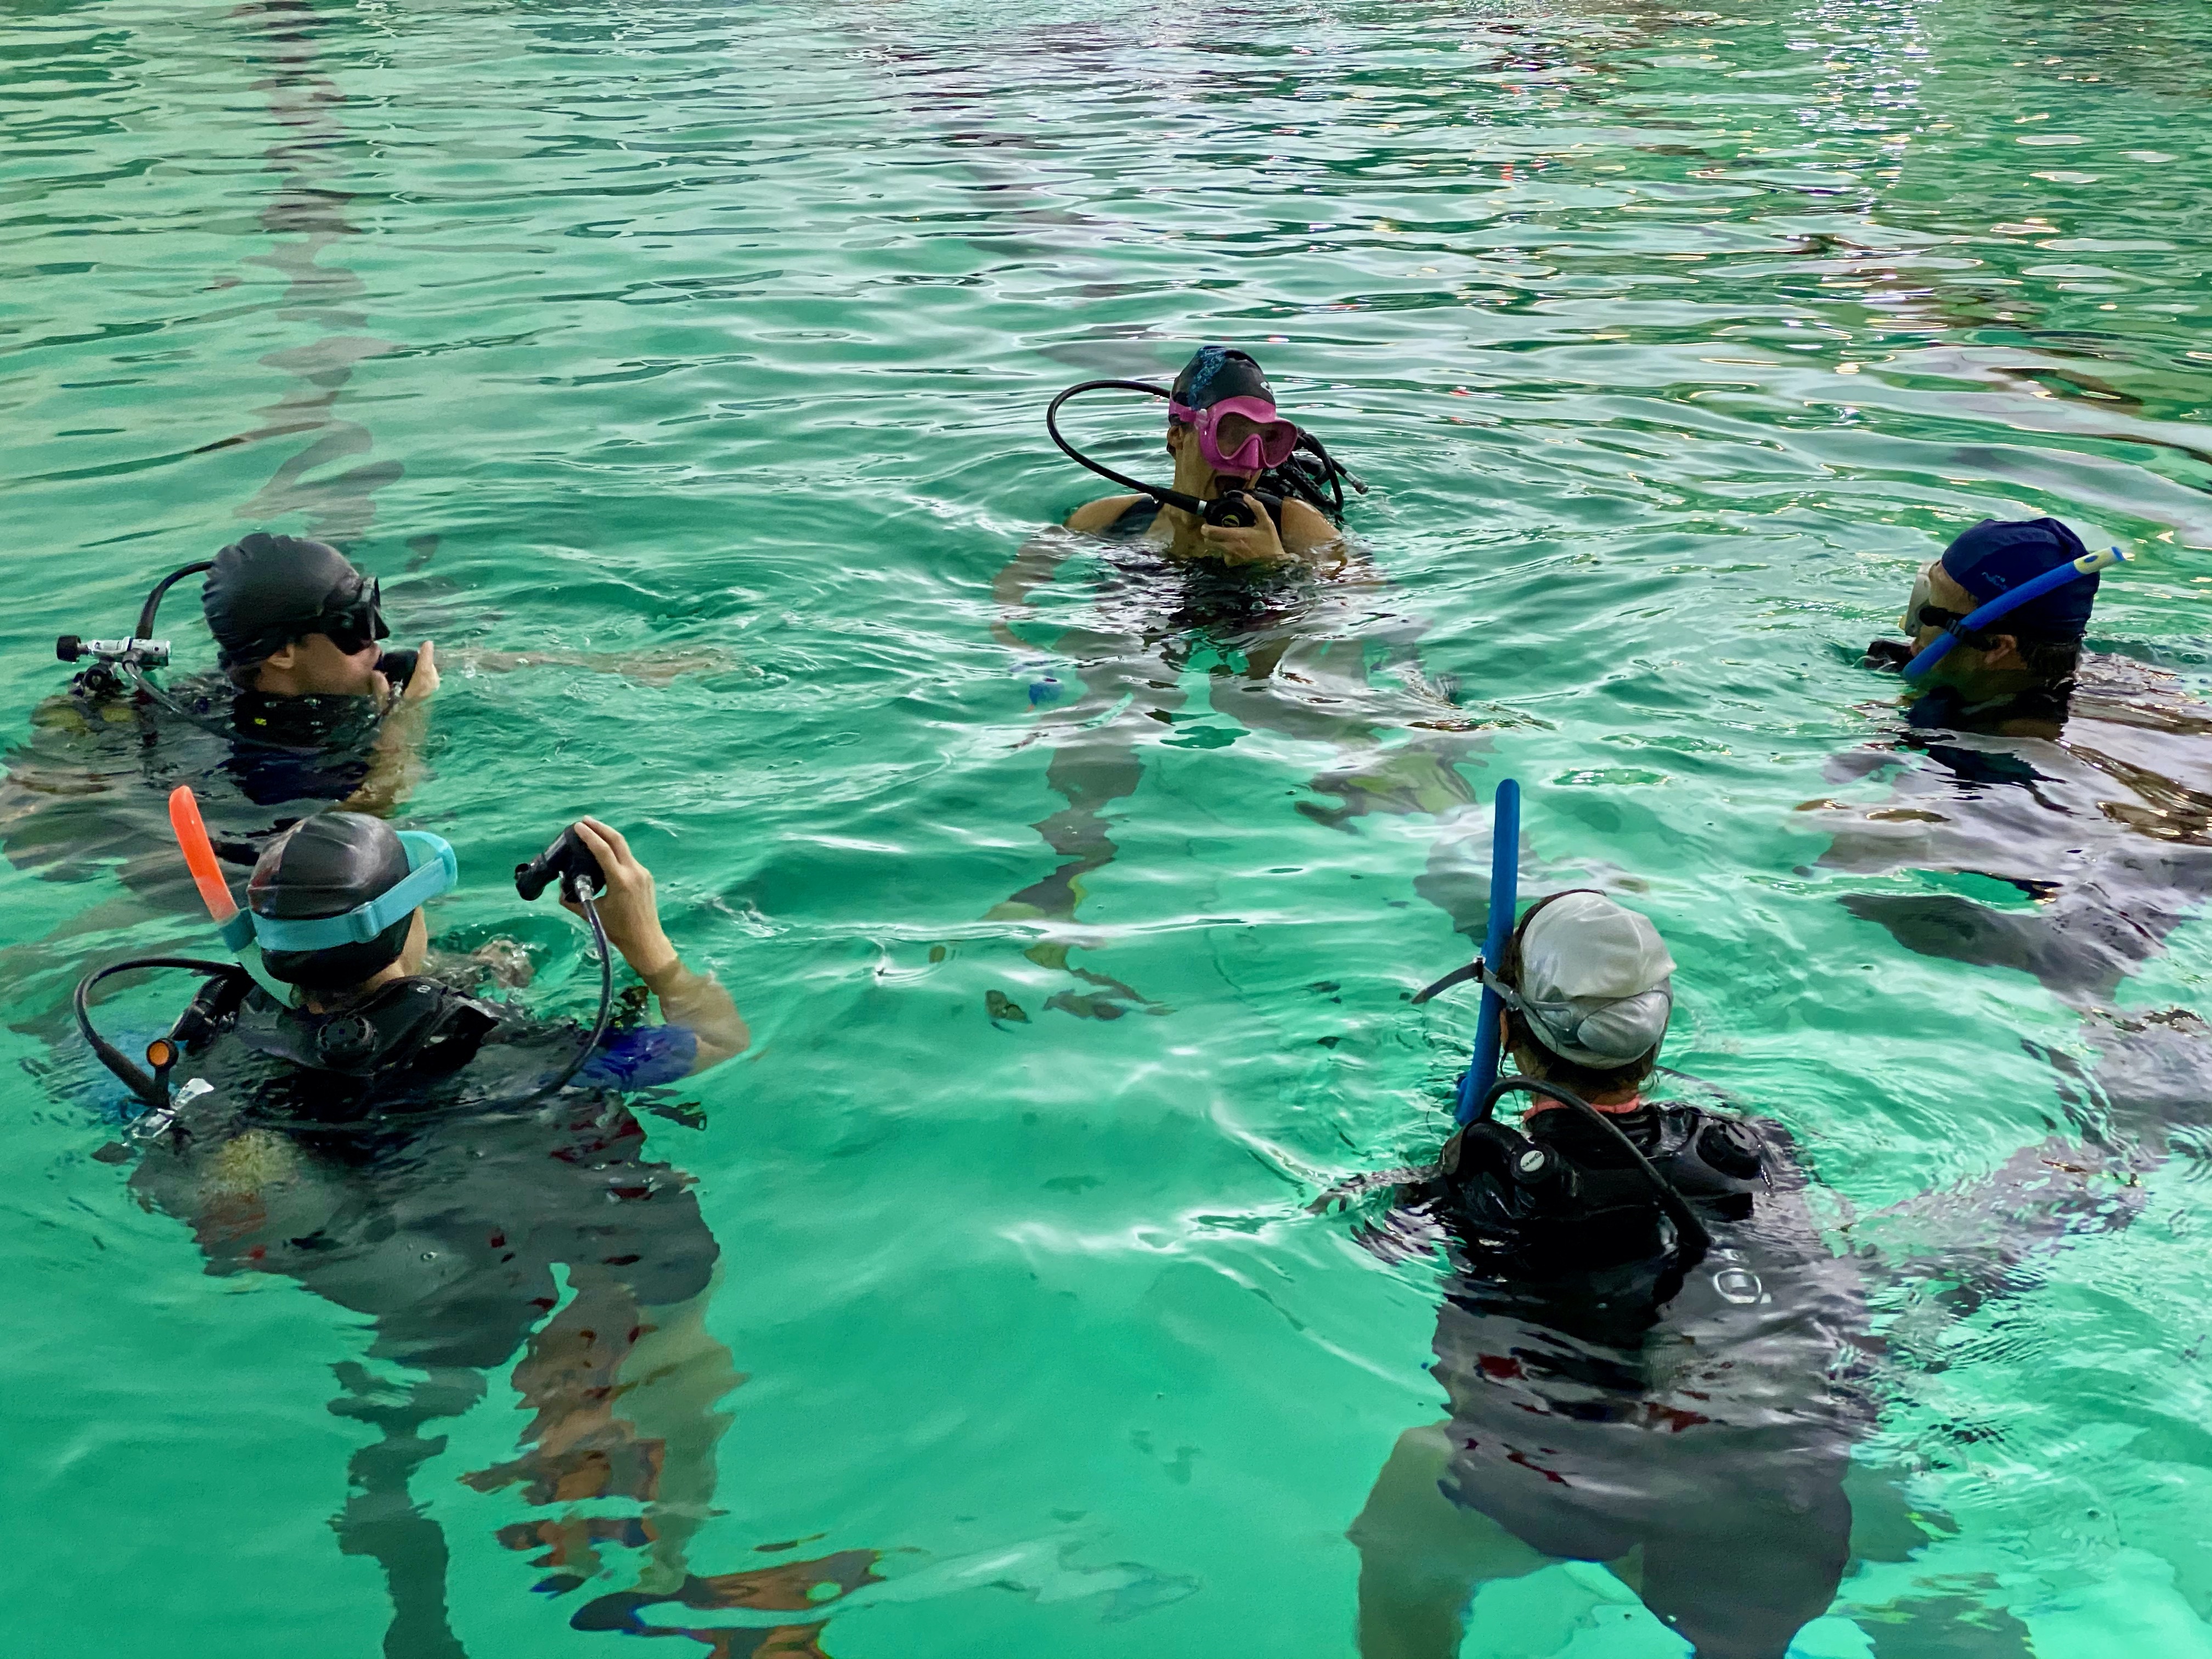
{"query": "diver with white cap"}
[(1638, 1336)]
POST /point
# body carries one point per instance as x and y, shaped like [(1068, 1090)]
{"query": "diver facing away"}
[(393, 1147), (335, 904), (1637, 1337), (1228, 442)]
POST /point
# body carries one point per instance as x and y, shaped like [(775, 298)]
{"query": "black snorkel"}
[(1320, 483)]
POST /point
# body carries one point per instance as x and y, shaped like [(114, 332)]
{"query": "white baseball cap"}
[(1596, 984)]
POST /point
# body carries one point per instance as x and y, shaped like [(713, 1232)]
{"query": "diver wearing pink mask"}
[(1223, 433)]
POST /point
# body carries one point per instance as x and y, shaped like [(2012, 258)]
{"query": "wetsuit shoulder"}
[(1120, 517)]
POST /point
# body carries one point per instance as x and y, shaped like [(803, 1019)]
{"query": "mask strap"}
[(434, 871)]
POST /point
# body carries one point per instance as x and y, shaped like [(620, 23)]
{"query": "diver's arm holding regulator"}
[(1305, 536), (630, 913), (394, 765)]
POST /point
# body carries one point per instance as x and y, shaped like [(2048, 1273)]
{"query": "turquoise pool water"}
[(1672, 343)]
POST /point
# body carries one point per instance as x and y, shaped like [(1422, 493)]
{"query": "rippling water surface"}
[(1671, 342)]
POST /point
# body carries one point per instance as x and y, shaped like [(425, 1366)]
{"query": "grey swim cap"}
[(1595, 981)]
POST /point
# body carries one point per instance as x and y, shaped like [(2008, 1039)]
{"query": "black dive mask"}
[(350, 621)]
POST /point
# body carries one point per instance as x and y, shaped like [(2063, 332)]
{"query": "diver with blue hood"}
[(475, 1183), (2082, 779)]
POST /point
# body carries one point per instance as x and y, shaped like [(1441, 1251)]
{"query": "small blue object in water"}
[(1504, 895), (1044, 690)]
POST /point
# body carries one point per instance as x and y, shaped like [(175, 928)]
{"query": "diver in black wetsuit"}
[(1289, 626), (2084, 781), (429, 1160), (1622, 1390), (2081, 781), (306, 711)]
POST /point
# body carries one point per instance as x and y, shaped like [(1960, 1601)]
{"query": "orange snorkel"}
[(207, 872)]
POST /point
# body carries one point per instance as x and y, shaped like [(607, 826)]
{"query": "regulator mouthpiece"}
[(567, 861)]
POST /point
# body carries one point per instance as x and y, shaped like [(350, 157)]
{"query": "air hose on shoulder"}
[(1695, 1240)]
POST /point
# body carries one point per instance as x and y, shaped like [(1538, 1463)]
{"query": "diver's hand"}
[(1257, 544), (631, 915), (629, 909), (424, 680)]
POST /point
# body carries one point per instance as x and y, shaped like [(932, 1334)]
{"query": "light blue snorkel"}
[(2088, 565), (1505, 892)]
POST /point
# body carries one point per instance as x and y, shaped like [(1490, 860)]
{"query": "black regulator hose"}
[(146, 1088), (1166, 497), (580, 889), (1677, 1208), (153, 605)]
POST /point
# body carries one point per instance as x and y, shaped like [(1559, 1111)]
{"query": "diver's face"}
[(416, 951), (1973, 672), (1193, 476), (315, 667)]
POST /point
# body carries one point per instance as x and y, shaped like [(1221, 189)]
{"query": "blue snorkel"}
[(2088, 565), (1505, 891)]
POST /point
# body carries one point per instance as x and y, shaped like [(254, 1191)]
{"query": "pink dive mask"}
[(1239, 435)]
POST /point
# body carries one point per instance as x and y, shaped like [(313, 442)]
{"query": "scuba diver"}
[(2079, 781), (1640, 1336), (429, 1160), (2082, 781), (1250, 488), (1239, 575), (306, 710)]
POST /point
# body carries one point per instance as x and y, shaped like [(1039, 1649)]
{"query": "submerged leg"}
[(1953, 1616), (382, 1521), (1094, 763), (624, 1397), (1741, 1573), (1422, 1556)]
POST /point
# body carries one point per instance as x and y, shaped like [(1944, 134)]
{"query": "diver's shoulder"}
[(1101, 514), (1309, 523)]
